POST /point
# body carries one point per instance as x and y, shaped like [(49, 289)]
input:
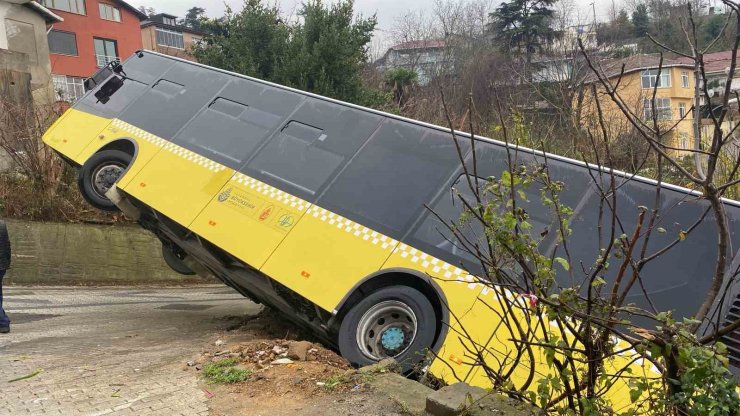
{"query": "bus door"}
[(177, 181), (246, 217), (356, 223)]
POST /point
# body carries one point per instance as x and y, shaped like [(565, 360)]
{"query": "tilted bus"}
[(317, 207)]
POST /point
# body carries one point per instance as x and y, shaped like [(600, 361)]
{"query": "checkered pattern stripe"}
[(157, 141), (194, 157), (170, 147), (436, 266), (358, 230), (273, 193)]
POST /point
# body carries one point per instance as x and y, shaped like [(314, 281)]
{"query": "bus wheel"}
[(395, 321), (175, 261), (98, 174)]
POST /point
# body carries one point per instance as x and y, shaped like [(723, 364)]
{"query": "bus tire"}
[(98, 174), (175, 262), (394, 321)]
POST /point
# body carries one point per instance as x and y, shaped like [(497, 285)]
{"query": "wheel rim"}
[(105, 175), (386, 330)]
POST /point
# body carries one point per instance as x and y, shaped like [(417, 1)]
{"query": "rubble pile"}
[(263, 354)]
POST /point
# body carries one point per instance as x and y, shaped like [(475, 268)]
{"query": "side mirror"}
[(109, 88), (116, 67)]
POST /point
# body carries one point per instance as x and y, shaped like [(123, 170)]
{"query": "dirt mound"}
[(274, 366), (270, 381), (263, 365)]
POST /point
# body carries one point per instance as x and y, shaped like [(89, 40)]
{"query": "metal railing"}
[(103, 60)]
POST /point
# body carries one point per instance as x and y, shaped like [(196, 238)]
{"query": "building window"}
[(682, 110), (108, 12), (106, 51), (170, 38), (650, 77), (662, 106), (169, 21), (683, 140), (68, 88), (72, 6), (62, 43), (685, 79)]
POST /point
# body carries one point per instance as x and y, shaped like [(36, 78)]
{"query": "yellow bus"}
[(316, 208)]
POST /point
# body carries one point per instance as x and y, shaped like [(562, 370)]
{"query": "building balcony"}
[(103, 60)]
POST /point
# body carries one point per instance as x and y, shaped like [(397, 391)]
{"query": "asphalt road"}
[(97, 351)]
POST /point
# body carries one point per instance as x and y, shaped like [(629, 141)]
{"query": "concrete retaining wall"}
[(55, 253)]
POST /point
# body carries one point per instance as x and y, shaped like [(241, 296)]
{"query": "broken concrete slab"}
[(461, 398), (409, 394), (497, 404), (452, 400)]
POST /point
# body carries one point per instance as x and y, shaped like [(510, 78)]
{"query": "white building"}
[(428, 58), (23, 42)]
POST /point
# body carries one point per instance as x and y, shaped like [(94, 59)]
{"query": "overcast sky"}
[(387, 10)]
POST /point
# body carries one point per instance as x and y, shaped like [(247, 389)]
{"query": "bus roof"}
[(535, 152)]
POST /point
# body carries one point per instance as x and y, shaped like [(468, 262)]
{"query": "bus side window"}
[(387, 184), (129, 91), (293, 159), (139, 72), (312, 147), (146, 68), (435, 237), (222, 133), (174, 100)]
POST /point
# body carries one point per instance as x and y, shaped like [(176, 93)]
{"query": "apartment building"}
[(93, 33), (428, 58), (636, 77), (161, 33)]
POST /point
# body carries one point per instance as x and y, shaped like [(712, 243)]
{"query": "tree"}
[(641, 20), (251, 42), (523, 26), (149, 11), (322, 52), (328, 49), (194, 18), (623, 24), (400, 80)]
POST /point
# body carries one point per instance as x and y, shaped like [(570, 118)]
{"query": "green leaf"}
[(563, 263), (598, 282), (506, 178)]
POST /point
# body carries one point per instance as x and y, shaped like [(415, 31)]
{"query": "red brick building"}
[(94, 32)]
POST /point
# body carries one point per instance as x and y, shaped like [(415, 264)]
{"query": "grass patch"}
[(225, 372), (335, 381), (349, 378)]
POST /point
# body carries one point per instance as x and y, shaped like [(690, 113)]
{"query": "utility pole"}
[(593, 6)]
